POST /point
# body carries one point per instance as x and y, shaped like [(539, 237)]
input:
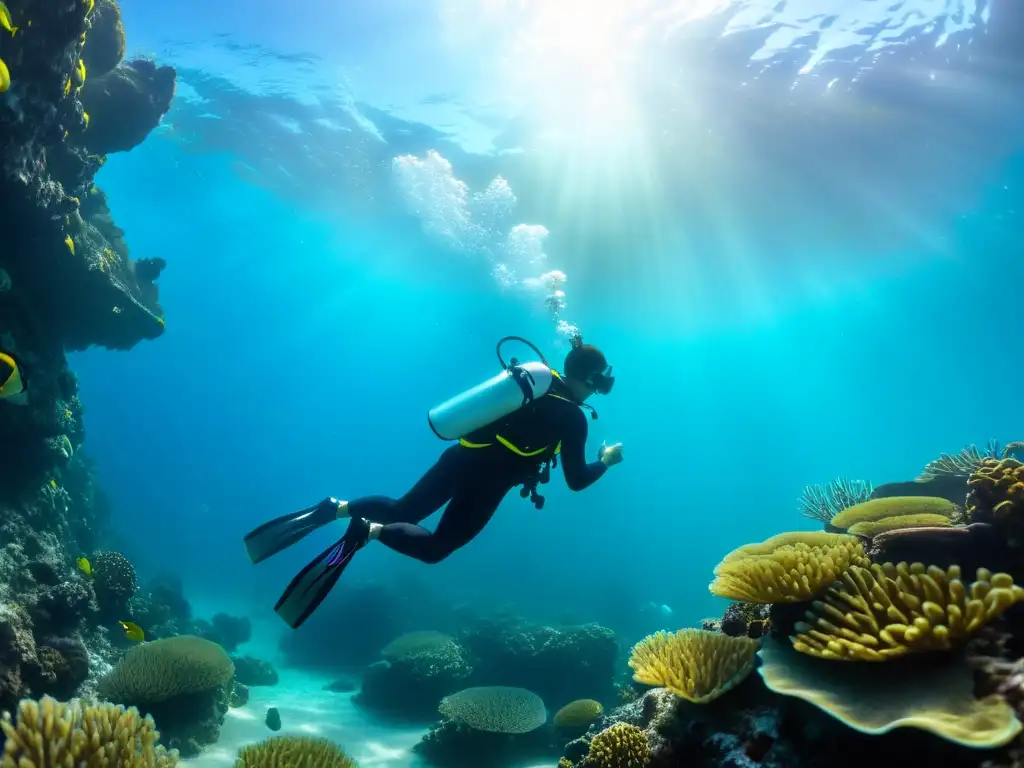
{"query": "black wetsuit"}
[(473, 481)]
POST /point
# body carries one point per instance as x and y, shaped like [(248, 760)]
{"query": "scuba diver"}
[(511, 430)]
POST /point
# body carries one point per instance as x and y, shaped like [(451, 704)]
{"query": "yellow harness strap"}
[(519, 452)]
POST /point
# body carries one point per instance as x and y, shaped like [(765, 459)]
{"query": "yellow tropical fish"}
[(84, 566), (5, 20), (70, 244), (85, 116), (13, 386), (67, 87), (132, 631), (5, 77)]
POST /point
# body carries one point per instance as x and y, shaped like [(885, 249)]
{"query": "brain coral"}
[(885, 611), (788, 568), (48, 734), (694, 664), (578, 714), (894, 506), (621, 746), (293, 752), (157, 671), (498, 709)]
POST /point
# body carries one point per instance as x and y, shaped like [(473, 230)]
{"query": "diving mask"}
[(602, 382)]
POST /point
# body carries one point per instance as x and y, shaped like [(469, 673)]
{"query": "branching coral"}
[(960, 464), (877, 510), (871, 528), (788, 568), (48, 734), (289, 751), (621, 746), (499, 709), (694, 664), (887, 611), (823, 502)]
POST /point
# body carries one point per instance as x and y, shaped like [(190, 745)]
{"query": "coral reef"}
[(878, 510), (126, 104), (422, 670), (184, 682), (824, 502), (694, 664), (47, 733), (253, 671), (882, 612), (787, 568), (286, 751), (558, 663), (67, 283), (623, 745), (997, 497)]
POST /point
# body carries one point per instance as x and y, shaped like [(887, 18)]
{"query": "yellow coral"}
[(887, 611), (621, 746), (49, 734), (788, 568), (578, 714), (997, 490), (894, 506), (871, 528), (694, 664), (292, 752)]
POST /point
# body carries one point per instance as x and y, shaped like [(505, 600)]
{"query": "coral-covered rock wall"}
[(67, 282)]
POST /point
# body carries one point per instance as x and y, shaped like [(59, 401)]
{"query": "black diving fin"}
[(281, 532), (311, 585)]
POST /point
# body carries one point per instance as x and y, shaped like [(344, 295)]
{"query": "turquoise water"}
[(794, 234)]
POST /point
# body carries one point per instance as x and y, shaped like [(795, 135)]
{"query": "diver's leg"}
[(428, 495), (467, 514)]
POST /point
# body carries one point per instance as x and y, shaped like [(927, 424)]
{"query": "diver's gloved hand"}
[(610, 455)]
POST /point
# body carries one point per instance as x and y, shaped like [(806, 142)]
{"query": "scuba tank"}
[(517, 385)]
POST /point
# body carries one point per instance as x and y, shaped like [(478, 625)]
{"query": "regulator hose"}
[(505, 366)]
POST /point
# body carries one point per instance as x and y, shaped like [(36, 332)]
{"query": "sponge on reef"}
[(694, 664), (788, 568), (160, 670), (872, 528), (894, 506), (887, 611), (876, 699), (48, 733)]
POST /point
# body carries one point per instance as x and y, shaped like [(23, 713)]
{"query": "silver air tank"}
[(489, 401)]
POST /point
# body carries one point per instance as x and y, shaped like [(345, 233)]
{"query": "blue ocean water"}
[(793, 228)]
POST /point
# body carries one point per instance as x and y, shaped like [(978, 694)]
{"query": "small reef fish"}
[(5, 20), (273, 719), (70, 244), (132, 631), (13, 385), (5, 77), (84, 566)]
